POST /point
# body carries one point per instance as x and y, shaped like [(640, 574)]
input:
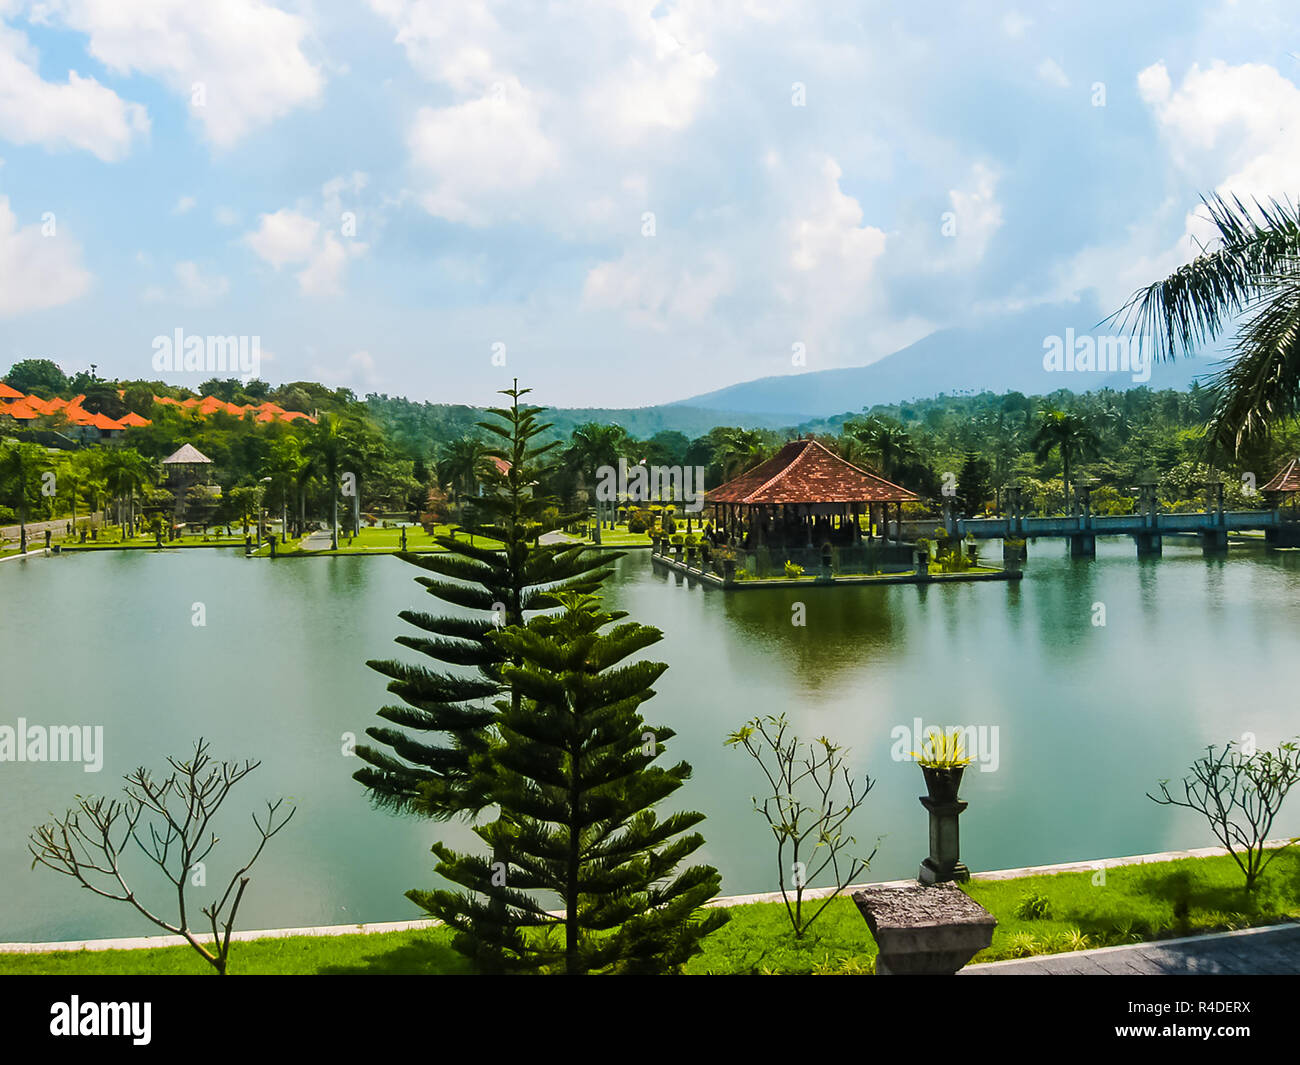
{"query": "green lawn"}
[(1136, 903), (378, 541)]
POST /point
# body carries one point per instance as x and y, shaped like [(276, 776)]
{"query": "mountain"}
[(1001, 355)]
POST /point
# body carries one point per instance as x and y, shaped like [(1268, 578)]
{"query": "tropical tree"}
[(126, 472), (592, 446), (286, 466), (1249, 270), (460, 466), (738, 450), (328, 447), (889, 443), (576, 787), (1070, 436), (441, 767), (20, 466)]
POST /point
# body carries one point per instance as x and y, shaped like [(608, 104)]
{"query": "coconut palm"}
[(460, 466), (889, 444), (1251, 268), (328, 446), (20, 463), (738, 450), (593, 445), (126, 472), (1071, 436)]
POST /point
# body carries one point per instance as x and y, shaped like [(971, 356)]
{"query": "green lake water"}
[(1087, 717)]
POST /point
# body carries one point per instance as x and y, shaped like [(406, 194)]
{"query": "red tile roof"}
[(1287, 478), (9, 393), (20, 409), (805, 471)]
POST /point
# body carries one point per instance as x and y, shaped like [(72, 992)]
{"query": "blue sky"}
[(385, 192)]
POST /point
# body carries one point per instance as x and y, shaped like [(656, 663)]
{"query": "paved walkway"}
[(321, 540), (1272, 951)]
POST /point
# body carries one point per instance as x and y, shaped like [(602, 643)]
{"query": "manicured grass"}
[(1134, 904), (620, 537), (390, 953), (379, 541)]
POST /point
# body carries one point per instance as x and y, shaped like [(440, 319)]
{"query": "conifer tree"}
[(436, 760), (577, 790)]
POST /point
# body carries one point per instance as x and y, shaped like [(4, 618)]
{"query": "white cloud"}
[(474, 157), (1050, 71), (80, 113), (283, 237), (657, 292), (1014, 24), (199, 290), (184, 204), (830, 240), (226, 216), (978, 216), (528, 137), (291, 237), (324, 273), (1230, 127), (36, 271), (1226, 128), (246, 55)]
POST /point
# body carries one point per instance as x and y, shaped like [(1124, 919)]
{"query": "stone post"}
[(944, 862)]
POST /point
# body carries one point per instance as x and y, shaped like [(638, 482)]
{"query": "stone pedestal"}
[(944, 862), (924, 930)]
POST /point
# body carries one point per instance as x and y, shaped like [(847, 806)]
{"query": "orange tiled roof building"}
[(804, 496), (25, 408)]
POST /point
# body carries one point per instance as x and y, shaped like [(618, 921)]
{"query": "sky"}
[(618, 203)]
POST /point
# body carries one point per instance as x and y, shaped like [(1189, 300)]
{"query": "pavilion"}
[(806, 496), (185, 467), (1286, 482)]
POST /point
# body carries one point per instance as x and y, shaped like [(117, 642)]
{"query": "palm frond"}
[(1260, 385), (1192, 305)]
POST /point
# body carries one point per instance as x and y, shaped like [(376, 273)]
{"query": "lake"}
[(1083, 718)]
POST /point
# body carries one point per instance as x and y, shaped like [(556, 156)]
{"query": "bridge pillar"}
[(1213, 541), (1149, 544), (1083, 545)]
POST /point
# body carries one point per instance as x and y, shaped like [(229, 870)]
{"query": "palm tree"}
[(327, 447), (1071, 436), (289, 469), (126, 471), (890, 445), (738, 450), (594, 445), (19, 463), (1251, 267), (73, 474), (460, 466)]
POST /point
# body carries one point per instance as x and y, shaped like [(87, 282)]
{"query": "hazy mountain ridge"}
[(1000, 356)]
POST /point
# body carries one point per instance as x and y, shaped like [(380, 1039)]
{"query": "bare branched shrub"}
[(1240, 795), (170, 821), (813, 797)]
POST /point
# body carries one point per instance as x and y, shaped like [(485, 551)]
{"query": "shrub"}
[(793, 571), (638, 521), (1254, 784), (1034, 906)]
